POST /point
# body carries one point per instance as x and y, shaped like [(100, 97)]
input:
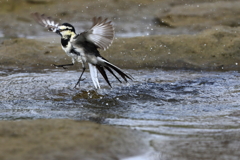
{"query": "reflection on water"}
[(168, 104)]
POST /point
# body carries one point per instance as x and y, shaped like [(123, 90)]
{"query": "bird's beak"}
[(58, 32)]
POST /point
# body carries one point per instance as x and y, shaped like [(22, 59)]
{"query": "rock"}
[(187, 16), (202, 15), (39, 1), (25, 54), (213, 49), (68, 139), (17, 22), (223, 145)]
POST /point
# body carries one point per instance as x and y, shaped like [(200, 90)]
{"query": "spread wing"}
[(101, 33), (45, 21)]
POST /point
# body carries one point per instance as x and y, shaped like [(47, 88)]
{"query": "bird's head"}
[(66, 30)]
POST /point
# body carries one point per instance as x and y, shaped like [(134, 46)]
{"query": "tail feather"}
[(102, 71), (113, 74), (104, 64), (118, 70), (93, 73)]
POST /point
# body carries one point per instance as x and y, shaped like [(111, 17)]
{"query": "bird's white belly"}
[(74, 56), (91, 59)]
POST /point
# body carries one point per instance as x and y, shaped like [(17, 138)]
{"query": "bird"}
[(84, 47)]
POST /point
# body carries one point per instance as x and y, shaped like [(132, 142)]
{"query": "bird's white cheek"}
[(65, 33)]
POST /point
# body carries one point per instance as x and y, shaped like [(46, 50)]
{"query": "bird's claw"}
[(59, 66), (78, 83)]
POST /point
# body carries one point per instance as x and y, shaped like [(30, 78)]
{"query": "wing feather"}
[(45, 21), (101, 33)]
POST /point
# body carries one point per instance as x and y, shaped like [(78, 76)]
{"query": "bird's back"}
[(80, 41)]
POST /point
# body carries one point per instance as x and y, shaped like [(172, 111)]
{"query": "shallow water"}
[(170, 105), (153, 95)]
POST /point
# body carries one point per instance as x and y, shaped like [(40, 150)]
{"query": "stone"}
[(213, 49), (67, 139)]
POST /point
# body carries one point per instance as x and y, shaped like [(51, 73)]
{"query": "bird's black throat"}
[(65, 41)]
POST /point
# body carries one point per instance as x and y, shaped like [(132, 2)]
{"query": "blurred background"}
[(131, 18)]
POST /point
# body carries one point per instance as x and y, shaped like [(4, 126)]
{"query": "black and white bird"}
[(84, 47)]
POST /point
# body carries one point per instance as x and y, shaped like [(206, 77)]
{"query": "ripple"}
[(175, 98)]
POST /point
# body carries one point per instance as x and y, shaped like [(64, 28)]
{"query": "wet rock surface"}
[(203, 15), (26, 54), (153, 18), (213, 49), (67, 139)]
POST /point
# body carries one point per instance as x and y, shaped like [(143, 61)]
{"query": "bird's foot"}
[(78, 83), (63, 66)]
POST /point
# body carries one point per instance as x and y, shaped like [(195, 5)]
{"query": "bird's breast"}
[(75, 53)]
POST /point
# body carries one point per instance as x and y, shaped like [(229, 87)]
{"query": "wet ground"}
[(178, 108)]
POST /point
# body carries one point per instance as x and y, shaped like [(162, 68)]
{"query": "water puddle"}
[(166, 104), (153, 95)]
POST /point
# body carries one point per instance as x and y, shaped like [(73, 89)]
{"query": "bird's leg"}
[(63, 65), (78, 82)]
